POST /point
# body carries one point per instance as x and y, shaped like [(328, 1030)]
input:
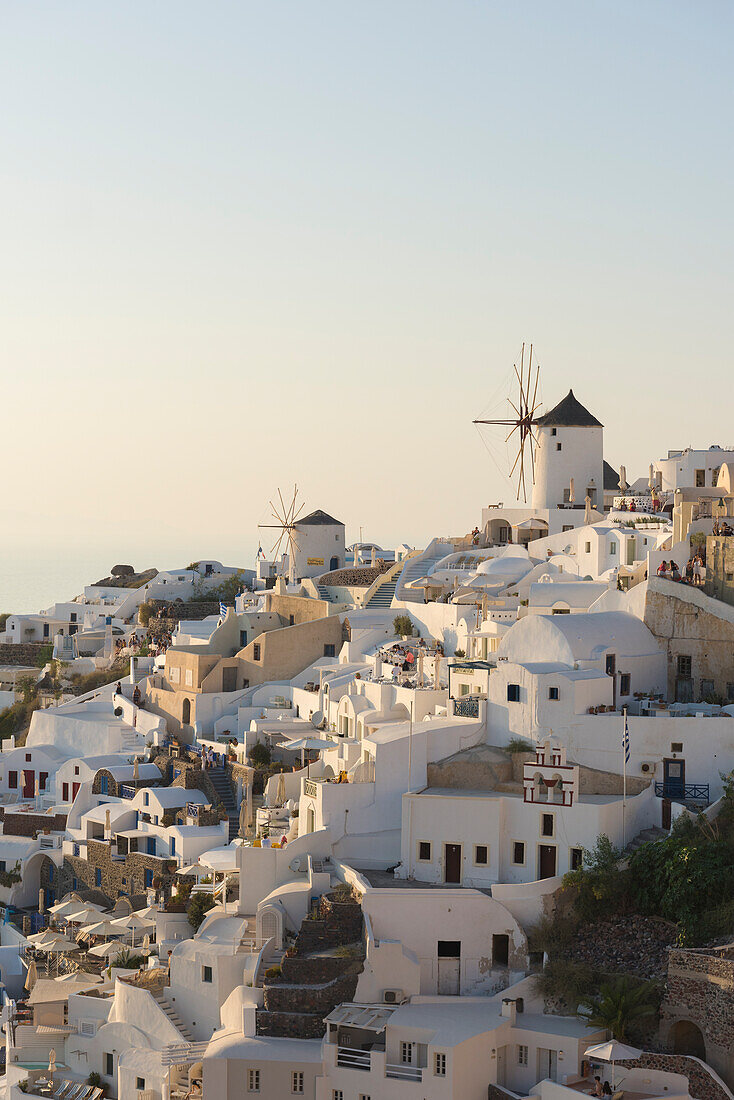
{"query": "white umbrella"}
[(133, 923), (52, 1064), (612, 1051), (106, 950), (32, 975), (103, 928), (41, 937), (56, 945), (622, 478), (86, 914), (571, 492), (136, 769), (280, 790), (72, 905), (587, 509)]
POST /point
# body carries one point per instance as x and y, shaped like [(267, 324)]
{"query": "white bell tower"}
[(570, 445)]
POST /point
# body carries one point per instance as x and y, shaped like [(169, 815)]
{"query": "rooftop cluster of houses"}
[(449, 722)]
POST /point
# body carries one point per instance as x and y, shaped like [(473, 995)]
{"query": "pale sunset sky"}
[(247, 244)]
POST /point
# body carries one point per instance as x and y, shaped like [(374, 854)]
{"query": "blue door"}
[(674, 778)]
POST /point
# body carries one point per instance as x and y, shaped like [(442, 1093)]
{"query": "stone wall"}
[(700, 991), (701, 1084), (119, 876), (686, 623), (22, 824), (113, 787), (362, 577), (23, 654), (720, 568)]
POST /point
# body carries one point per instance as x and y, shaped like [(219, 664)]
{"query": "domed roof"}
[(569, 413), (509, 567)]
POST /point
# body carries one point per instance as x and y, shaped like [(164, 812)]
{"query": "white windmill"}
[(285, 517)]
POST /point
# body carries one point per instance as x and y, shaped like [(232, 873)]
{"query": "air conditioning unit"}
[(647, 767), (393, 996)]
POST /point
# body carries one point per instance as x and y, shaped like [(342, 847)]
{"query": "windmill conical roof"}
[(314, 519), (569, 413)]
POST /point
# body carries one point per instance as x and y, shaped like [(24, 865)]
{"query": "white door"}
[(547, 1064), (449, 977)]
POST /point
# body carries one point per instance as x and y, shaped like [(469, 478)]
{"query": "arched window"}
[(186, 713)]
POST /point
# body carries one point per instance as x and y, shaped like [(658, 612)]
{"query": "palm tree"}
[(620, 1006)]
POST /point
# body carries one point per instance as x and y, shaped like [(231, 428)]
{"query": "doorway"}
[(452, 863), (29, 783), (500, 950), (229, 678), (186, 712), (674, 778), (333, 564), (547, 1064), (546, 860), (449, 968), (688, 1039)]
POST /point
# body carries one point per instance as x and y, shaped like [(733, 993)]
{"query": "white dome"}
[(507, 568)]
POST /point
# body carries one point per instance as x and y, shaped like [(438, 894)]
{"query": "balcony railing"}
[(127, 791), (404, 1073), (682, 792), (466, 708), (352, 1059), (310, 788)]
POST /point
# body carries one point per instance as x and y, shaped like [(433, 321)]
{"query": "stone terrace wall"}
[(23, 824), (701, 1084), (22, 654), (700, 990), (361, 577)]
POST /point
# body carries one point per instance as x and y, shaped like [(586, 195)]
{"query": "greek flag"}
[(260, 552), (626, 740), (222, 610)]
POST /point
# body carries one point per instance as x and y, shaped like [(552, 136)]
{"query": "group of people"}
[(721, 527), (695, 571), (212, 759), (601, 1090)]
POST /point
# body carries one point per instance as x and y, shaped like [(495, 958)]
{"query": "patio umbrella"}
[(280, 790), (106, 950), (51, 1064), (41, 937), (136, 769), (246, 812), (72, 905), (102, 928), (437, 671), (310, 744), (85, 914), (133, 923), (41, 899), (148, 913), (32, 976), (612, 1051), (571, 492)]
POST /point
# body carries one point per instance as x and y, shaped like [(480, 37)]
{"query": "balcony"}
[(468, 707), (348, 1058), (404, 1072), (679, 791)]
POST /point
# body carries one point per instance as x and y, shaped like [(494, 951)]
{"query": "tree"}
[(128, 960), (601, 887), (260, 755), (199, 906), (621, 1006), (403, 625)]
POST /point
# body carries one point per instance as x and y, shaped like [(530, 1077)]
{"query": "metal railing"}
[(404, 1072), (348, 1058), (675, 789), (466, 708)]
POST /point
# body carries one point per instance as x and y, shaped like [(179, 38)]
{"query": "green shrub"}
[(272, 972), (199, 906), (517, 744), (45, 654), (403, 625), (601, 887), (94, 1079), (622, 1006), (565, 981), (260, 755), (145, 613), (128, 960)]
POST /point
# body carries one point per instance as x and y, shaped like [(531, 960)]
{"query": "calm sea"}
[(31, 579)]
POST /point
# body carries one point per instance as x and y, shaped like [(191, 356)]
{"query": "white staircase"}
[(417, 567), (168, 1010)]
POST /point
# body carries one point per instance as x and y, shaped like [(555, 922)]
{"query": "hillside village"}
[(358, 823)]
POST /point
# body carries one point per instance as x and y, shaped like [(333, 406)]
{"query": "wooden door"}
[(547, 860), (452, 863), (674, 778), (29, 783)]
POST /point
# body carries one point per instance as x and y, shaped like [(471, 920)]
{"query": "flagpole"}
[(625, 744)]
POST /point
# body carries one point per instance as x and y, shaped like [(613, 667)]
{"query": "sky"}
[(251, 245)]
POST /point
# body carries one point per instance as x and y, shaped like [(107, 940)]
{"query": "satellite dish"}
[(317, 718)]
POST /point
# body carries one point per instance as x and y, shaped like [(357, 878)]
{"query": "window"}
[(612, 549), (576, 859), (554, 431), (64, 792), (587, 547), (98, 876), (707, 688), (51, 870), (329, 651), (256, 651), (364, 1096), (424, 850), (559, 446), (610, 665), (522, 1056), (243, 639), (730, 692), (406, 1054), (109, 1065), (567, 527), (291, 620), (513, 693), (685, 666), (439, 1065), (700, 478), (12, 780), (45, 630), (189, 680), (140, 1083), (148, 878), (518, 852), (2, 865), (206, 974), (553, 693), (28, 757), (76, 770), (337, 1094), (624, 683), (75, 883), (546, 824), (88, 1028), (297, 1081), (175, 675), (253, 1080), (481, 855)]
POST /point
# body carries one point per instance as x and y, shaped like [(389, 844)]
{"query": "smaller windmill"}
[(522, 418), (285, 517)]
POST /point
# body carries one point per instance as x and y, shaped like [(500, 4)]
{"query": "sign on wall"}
[(314, 561)]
